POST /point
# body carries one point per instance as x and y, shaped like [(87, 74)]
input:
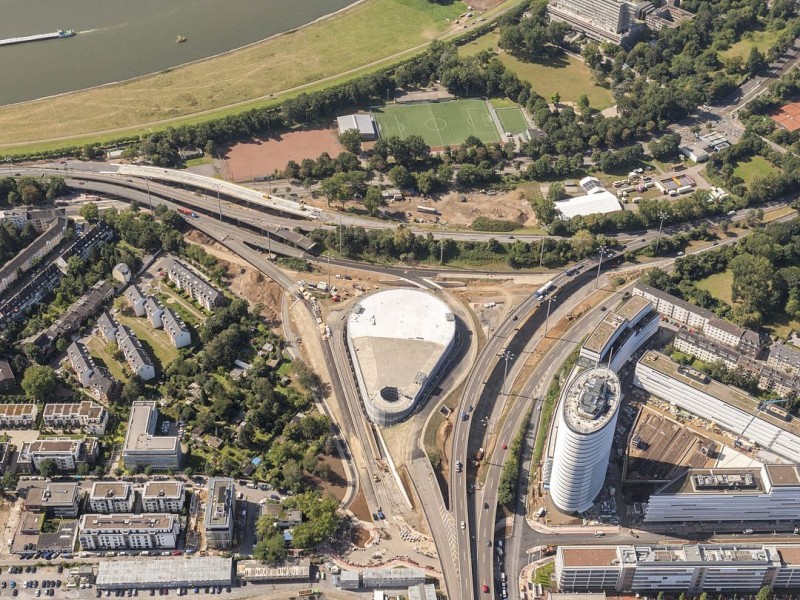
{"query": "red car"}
[(504, 446), (485, 588)]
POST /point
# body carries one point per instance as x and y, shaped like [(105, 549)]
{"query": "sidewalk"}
[(526, 575)]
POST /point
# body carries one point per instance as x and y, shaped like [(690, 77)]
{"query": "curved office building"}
[(399, 341), (587, 418)]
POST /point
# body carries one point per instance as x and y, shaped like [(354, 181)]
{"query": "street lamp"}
[(219, 204), (507, 356), (599, 264), (547, 319), (663, 216)]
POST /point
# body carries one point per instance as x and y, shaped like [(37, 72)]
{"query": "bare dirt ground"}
[(360, 537), (337, 486), (360, 508), (245, 281), (508, 206), (262, 156)]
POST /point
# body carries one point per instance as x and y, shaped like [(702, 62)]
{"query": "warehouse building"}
[(256, 571), (770, 494), (728, 407), (159, 574)]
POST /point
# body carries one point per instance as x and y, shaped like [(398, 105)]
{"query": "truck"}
[(428, 209), (479, 455), (541, 511), (188, 213), (544, 290)]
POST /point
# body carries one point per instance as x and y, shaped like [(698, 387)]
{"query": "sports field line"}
[(487, 127), (439, 133)]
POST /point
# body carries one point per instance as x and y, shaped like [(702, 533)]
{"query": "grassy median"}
[(370, 31)]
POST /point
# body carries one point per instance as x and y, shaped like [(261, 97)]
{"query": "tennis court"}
[(512, 119), (438, 123)]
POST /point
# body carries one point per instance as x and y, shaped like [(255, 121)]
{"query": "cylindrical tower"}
[(587, 418)]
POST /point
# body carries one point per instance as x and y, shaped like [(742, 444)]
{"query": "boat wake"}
[(90, 30)]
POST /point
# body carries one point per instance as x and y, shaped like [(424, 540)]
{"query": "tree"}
[(271, 550), (47, 468), (665, 148), (9, 481), (351, 140), (39, 383), (556, 98), (583, 243), (556, 192), (90, 212), (373, 200), (754, 282), (400, 177), (132, 390), (764, 593), (755, 61)]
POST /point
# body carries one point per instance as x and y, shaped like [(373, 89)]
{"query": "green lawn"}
[(718, 285), (154, 339), (97, 348), (756, 166), (512, 119), (568, 75), (438, 123), (758, 39)]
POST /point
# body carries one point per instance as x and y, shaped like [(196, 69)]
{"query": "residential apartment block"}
[(128, 531), (136, 299), (176, 329), (769, 494), (616, 21), (7, 379), (41, 246), (740, 568), (107, 327), (97, 379), (89, 416), (219, 515), (18, 416), (101, 232), (121, 272), (142, 447), (66, 453), (163, 496), (195, 286), (154, 311), (137, 358), (111, 497)]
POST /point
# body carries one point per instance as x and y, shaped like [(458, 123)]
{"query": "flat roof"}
[(219, 506), (604, 331), (117, 489), (591, 400), (17, 410), (162, 489), (405, 328), (599, 202), (165, 572), (253, 569), (128, 521), (790, 555), (361, 122), (783, 475), (52, 494), (589, 556), (706, 482), (138, 437)]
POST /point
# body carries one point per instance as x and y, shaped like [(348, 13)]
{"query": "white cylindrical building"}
[(587, 418)]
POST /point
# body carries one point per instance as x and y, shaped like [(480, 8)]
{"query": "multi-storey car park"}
[(729, 408), (691, 568), (399, 342), (587, 417)]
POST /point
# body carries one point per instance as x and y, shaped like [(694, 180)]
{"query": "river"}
[(120, 39)]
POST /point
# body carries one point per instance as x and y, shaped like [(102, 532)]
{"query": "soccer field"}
[(512, 119), (438, 123)]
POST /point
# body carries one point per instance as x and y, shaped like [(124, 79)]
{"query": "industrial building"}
[(142, 447), (219, 516), (597, 202), (163, 496), (393, 578), (422, 591), (127, 531), (111, 497), (362, 123), (769, 494), (399, 342), (729, 408), (256, 571), (197, 571), (692, 569), (587, 418), (89, 416), (621, 333)]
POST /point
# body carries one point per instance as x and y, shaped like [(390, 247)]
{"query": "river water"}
[(120, 39)]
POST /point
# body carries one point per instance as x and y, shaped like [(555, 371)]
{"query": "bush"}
[(487, 224)]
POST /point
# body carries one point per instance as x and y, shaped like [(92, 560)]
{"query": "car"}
[(485, 588), (38, 593), (488, 543), (463, 525), (486, 505), (603, 309), (504, 446), (15, 592), (3, 584)]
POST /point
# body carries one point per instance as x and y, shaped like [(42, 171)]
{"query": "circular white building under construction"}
[(587, 419), (399, 341)]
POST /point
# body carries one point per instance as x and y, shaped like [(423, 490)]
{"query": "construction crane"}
[(761, 407)]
